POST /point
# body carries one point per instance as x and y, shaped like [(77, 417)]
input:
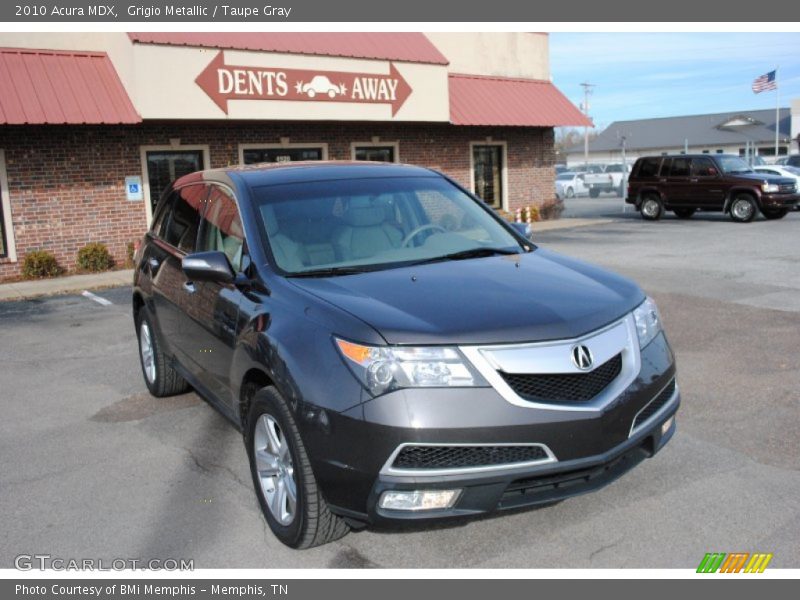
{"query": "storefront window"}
[(272, 155), (374, 153), (3, 251), (6, 232), (487, 170), (165, 166)]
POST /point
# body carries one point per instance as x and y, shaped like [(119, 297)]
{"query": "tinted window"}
[(165, 166), (222, 226), (703, 167), (680, 167), (648, 167), (183, 221), (376, 153), (271, 155)]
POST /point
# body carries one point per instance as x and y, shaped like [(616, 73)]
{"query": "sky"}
[(643, 75)]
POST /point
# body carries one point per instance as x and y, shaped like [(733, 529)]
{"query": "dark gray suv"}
[(391, 349)]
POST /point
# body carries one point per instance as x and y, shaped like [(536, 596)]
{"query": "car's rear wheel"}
[(311, 93), (287, 491), (594, 193), (651, 208), (775, 213), (743, 208), (159, 375), (684, 213)]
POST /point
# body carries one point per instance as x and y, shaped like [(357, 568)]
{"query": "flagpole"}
[(777, 110)]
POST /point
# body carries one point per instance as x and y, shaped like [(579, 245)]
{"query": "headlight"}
[(648, 321), (770, 188), (385, 368)]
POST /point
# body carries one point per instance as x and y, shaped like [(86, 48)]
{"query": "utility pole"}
[(587, 91)]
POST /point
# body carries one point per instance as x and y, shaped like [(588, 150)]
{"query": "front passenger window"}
[(222, 226)]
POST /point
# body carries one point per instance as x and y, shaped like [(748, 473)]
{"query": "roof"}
[(398, 46), (304, 171), (481, 100), (717, 129), (46, 86)]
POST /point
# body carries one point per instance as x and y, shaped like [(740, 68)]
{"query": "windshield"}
[(565, 177), (353, 225), (732, 164)]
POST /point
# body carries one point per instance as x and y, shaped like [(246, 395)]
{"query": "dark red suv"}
[(720, 182)]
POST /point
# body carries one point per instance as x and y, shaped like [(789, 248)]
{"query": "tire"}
[(593, 193), (311, 93), (160, 377), (775, 213), (651, 208), (570, 193), (274, 446), (331, 94), (684, 213), (743, 209)]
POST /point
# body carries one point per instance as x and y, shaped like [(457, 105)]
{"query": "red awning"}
[(498, 101), (399, 46), (46, 86)]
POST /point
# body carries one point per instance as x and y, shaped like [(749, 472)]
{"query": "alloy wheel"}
[(147, 352), (742, 209), (275, 468)]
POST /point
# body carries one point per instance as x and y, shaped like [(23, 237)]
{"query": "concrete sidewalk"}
[(77, 283), (64, 285)]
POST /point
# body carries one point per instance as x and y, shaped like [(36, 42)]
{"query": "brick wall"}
[(66, 183)]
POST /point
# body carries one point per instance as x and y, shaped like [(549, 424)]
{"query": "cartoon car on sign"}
[(320, 84)]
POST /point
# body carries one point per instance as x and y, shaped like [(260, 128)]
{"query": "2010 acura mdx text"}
[(391, 349)]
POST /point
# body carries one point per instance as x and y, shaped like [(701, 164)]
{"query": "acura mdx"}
[(391, 349)]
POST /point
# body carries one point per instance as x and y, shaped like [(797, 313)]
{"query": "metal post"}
[(587, 90), (777, 111)]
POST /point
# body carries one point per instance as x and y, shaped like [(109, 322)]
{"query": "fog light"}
[(418, 499), (667, 425)]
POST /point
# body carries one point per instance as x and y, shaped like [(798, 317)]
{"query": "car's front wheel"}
[(159, 375), (570, 193), (743, 208), (285, 485), (651, 208), (775, 213)]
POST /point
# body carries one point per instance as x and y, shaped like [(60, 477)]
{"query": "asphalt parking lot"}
[(92, 466)]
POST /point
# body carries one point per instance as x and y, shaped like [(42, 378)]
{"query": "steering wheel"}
[(419, 230)]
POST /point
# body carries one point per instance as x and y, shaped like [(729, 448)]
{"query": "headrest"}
[(363, 213), (269, 218)]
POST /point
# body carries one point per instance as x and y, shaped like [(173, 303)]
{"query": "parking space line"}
[(96, 298)]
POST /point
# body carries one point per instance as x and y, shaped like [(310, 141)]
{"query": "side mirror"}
[(208, 266), (524, 229)]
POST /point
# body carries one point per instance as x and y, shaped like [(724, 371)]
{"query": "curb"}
[(22, 290)]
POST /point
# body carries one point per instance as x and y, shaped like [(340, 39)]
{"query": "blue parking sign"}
[(133, 188)]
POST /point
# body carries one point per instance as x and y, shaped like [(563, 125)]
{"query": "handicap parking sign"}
[(133, 188)]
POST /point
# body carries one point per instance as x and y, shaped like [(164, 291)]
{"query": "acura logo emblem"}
[(582, 357)]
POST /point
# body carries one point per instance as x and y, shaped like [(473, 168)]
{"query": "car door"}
[(172, 295), (705, 185), (218, 304), (674, 181)]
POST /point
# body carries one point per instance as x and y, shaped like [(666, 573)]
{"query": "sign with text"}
[(224, 82)]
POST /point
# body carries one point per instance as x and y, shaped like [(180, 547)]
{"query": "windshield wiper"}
[(471, 253), (331, 272)]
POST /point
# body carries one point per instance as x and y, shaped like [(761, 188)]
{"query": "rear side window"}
[(648, 167), (680, 168), (183, 219)]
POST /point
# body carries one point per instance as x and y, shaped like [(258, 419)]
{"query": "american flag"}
[(765, 83)]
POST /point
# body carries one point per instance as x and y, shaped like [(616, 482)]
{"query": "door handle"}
[(189, 287), (694, 180)]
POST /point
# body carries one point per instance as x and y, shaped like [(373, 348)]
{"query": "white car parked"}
[(570, 184)]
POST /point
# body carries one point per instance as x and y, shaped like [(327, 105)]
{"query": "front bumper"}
[(779, 200), (351, 451)]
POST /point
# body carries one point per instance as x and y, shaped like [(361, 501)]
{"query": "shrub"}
[(551, 209), (94, 258), (39, 264), (130, 251)]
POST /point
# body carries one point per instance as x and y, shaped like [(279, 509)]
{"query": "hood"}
[(530, 297), (759, 177)]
